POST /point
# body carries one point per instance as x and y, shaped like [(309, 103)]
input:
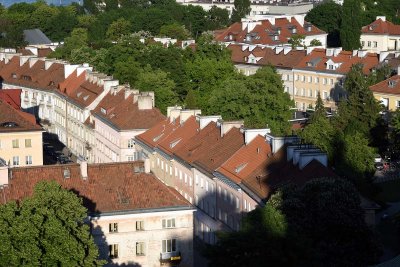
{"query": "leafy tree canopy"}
[(46, 229)]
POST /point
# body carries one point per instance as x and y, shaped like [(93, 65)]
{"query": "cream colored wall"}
[(302, 87), (152, 236), (7, 152), (382, 41), (392, 100)]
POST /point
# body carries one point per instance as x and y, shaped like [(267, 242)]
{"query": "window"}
[(225, 195), (207, 186), (369, 43), (168, 223), (244, 204), (28, 143), (140, 249), (15, 160), (197, 179), (131, 143), (219, 190), (310, 92), (131, 158), (113, 251), (325, 81), (15, 143), (316, 80), (168, 245), (201, 182), (139, 225), (190, 181), (186, 178), (362, 43), (113, 227), (375, 44), (398, 104), (325, 95), (296, 77), (237, 203), (303, 78), (309, 79), (28, 160), (231, 198)]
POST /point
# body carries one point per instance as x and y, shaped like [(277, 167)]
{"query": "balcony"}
[(170, 257)]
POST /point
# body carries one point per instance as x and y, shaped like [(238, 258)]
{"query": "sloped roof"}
[(264, 32), (35, 37), (109, 188), (153, 136), (12, 97), (380, 27), (346, 59), (20, 121), (124, 114), (389, 86)]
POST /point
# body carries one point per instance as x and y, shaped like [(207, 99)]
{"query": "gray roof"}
[(36, 37)]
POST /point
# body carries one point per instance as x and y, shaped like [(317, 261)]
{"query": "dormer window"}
[(14, 75), (86, 98), (174, 143), (67, 174), (240, 167), (331, 67), (308, 28), (391, 83), (103, 110), (371, 28), (79, 94), (275, 37), (294, 30)]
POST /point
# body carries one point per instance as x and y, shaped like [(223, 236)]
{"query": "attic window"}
[(26, 78), (9, 124), (79, 94), (67, 174), (240, 167), (276, 37), (86, 98), (14, 75), (103, 110), (310, 64), (371, 27), (308, 28), (155, 139), (294, 30), (174, 143), (392, 83)]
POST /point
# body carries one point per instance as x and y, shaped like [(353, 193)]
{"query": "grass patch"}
[(390, 191)]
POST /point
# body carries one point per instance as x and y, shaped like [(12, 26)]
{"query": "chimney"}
[(361, 53), (83, 167), (278, 49), (286, 50), (227, 125), (329, 52), (23, 60), (309, 50), (170, 109), (174, 113), (84, 67), (187, 113), (250, 134), (69, 69), (383, 18), (205, 120), (355, 52), (300, 19), (32, 61), (48, 62), (3, 172), (383, 56), (145, 102), (110, 83)]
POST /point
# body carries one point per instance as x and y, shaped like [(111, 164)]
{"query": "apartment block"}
[(94, 116), (222, 167), (135, 219), (20, 137)]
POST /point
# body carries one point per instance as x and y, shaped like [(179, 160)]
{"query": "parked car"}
[(379, 166), (378, 159)]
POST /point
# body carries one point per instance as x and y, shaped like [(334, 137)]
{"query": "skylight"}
[(240, 167), (174, 143)]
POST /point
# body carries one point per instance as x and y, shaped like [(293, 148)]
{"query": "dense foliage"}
[(318, 224), (342, 23), (46, 229)]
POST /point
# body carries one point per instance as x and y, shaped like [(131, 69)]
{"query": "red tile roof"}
[(124, 114), (179, 135), (154, 135), (380, 27), (268, 56), (24, 121), (390, 86), (12, 97), (264, 32), (109, 188), (317, 61)]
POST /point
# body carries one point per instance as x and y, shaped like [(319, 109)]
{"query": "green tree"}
[(46, 229), (118, 28), (319, 110), (218, 18), (395, 133), (297, 40), (128, 71), (327, 17), (162, 86), (174, 31), (78, 39), (350, 30), (315, 42), (241, 9)]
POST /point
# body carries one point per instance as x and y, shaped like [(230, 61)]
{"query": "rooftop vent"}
[(67, 173)]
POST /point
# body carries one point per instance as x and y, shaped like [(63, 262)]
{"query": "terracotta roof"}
[(389, 86), (264, 32), (12, 97), (381, 27), (268, 56), (109, 188), (179, 135), (35, 76), (317, 61), (276, 171), (125, 114), (13, 120), (154, 135)]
